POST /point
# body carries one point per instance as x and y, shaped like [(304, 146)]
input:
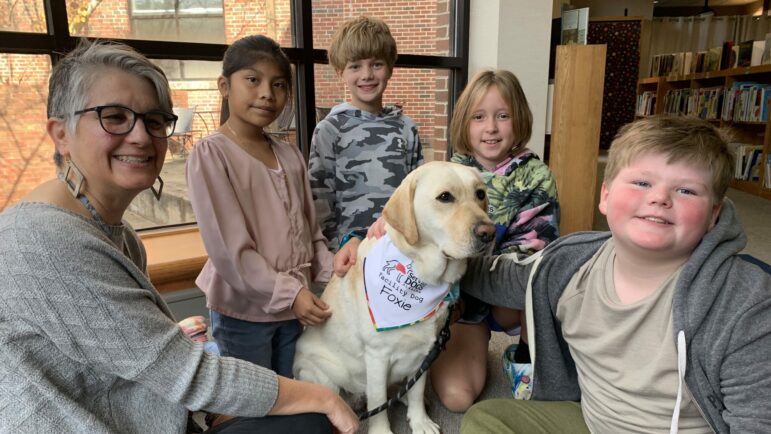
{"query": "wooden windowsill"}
[(174, 257)]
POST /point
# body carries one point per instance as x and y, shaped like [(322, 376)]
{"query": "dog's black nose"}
[(485, 232)]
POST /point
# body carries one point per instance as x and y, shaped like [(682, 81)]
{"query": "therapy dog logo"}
[(395, 274), (395, 265)]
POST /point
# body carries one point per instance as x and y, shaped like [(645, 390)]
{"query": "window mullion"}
[(305, 95)]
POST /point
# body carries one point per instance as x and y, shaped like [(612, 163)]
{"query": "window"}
[(178, 20), (22, 16), (186, 38), (174, 7), (26, 152)]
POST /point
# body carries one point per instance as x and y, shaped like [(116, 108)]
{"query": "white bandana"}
[(396, 297)]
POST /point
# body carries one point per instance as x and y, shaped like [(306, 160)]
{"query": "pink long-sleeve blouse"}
[(259, 229)]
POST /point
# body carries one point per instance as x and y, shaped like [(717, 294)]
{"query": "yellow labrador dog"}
[(437, 219)]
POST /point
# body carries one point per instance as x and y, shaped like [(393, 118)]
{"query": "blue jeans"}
[(268, 344)]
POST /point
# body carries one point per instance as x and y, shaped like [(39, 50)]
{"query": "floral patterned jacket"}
[(523, 202)]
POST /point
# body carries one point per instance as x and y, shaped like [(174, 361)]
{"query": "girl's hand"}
[(377, 229), (345, 258), (309, 309)]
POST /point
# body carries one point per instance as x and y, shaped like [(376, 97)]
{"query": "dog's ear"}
[(398, 211)]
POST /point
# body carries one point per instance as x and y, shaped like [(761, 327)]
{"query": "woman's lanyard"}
[(110, 230)]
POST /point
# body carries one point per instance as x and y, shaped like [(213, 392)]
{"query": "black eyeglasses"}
[(119, 120)]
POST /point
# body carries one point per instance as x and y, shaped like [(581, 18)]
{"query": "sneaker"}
[(520, 375)]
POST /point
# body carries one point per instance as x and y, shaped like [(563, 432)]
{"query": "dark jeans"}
[(308, 423), (268, 344)]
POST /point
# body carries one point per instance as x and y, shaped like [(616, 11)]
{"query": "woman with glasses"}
[(86, 342)]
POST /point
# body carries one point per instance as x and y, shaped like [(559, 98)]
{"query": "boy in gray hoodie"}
[(655, 326), (361, 151)]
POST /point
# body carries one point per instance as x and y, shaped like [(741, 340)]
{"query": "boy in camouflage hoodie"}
[(361, 151)]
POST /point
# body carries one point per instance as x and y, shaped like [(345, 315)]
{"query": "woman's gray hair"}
[(75, 74)]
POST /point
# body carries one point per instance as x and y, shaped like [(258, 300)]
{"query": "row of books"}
[(746, 102), (646, 103), (742, 102), (706, 103), (676, 64), (729, 55), (767, 179), (748, 161)]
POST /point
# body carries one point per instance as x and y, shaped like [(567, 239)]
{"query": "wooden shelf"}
[(174, 258), (746, 124), (650, 80), (752, 187)]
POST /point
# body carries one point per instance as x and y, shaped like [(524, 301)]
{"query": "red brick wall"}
[(108, 20), (419, 27), (22, 16), (26, 152)]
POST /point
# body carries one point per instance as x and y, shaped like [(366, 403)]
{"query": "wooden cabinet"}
[(652, 99), (575, 132)]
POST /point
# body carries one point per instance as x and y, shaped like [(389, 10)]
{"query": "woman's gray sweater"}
[(87, 344)]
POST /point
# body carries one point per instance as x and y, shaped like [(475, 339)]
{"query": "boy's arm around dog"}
[(722, 304), (505, 285)]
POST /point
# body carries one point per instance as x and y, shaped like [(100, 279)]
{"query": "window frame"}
[(135, 12), (58, 41)]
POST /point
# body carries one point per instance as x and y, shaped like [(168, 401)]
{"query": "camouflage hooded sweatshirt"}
[(357, 160)]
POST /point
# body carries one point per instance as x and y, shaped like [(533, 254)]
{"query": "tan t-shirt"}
[(625, 354)]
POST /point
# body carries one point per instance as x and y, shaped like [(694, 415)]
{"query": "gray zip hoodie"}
[(721, 307)]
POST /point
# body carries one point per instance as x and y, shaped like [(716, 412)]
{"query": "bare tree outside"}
[(24, 144), (22, 16), (78, 12)]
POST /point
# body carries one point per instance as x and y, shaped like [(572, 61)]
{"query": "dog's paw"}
[(424, 426)]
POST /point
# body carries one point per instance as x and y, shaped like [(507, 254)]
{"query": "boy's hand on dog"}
[(309, 309), (345, 258), (377, 230)]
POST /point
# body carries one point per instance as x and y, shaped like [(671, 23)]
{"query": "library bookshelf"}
[(653, 92)]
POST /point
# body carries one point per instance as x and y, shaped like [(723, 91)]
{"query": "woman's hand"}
[(345, 258), (341, 416), (309, 309), (295, 397)]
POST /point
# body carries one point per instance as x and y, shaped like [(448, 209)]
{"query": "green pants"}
[(503, 416)]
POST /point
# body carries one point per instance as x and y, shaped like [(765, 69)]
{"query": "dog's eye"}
[(481, 195), (446, 197)]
